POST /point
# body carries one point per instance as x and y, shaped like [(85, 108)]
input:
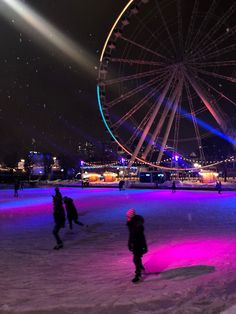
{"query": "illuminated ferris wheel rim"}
[(144, 161), (140, 159), (113, 27)]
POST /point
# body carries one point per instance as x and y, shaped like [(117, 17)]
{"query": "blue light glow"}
[(104, 120)]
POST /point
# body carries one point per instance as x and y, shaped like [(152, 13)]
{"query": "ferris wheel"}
[(167, 77)]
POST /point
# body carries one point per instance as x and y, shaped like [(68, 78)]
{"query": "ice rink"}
[(190, 265)]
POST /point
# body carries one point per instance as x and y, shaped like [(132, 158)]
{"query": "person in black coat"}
[(59, 219), (58, 193), (16, 188), (71, 211), (137, 242), (219, 187), (173, 187), (121, 185)]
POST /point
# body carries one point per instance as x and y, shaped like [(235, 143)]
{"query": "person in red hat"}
[(137, 242)]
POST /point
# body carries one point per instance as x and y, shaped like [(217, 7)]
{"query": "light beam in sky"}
[(31, 21)]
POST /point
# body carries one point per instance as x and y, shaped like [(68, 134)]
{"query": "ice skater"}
[(173, 187), (22, 185), (16, 188), (85, 183), (59, 219), (121, 185), (57, 193), (137, 242), (219, 187), (72, 214)]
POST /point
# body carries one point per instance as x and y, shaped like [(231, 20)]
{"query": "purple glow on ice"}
[(190, 251), (187, 228)]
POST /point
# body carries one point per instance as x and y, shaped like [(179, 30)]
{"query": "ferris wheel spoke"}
[(222, 51), (151, 120), (171, 119), (134, 76), (216, 75), (153, 35), (211, 45), (131, 112), (217, 53), (157, 54), (138, 106), (191, 25), (141, 126), (193, 116), (165, 25), (180, 24), (213, 101), (208, 102), (136, 61), (204, 23), (216, 26), (220, 93), (177, 125), (132, 92), (215, 64), (160, 123), (199, 111)]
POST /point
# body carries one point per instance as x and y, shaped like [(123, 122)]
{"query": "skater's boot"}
[(136, 279), (58, 246)]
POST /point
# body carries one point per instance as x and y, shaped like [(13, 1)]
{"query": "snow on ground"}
[(190, 266)]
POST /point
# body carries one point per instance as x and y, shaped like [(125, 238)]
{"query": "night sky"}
[(49, 59), (47, 100)]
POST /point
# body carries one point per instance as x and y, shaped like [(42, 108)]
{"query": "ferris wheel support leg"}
[(207, 102), (160, 123), (225, 127), (151, 120), (171, 119), (197, 132)]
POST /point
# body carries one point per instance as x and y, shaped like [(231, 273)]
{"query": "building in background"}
[(39, 164), (86, 151), (109, 151)]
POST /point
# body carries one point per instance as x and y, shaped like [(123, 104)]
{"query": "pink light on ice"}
[(191, 252)]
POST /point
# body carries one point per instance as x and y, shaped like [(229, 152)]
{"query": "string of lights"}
[(201, 164)]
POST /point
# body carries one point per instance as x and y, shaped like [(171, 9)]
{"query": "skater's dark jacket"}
[(137, 242), (58, 211), (70, 208)]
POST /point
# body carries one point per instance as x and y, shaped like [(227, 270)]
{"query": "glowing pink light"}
[(189, 252)]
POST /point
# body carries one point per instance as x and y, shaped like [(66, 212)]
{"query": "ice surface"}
[(190, 266)]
